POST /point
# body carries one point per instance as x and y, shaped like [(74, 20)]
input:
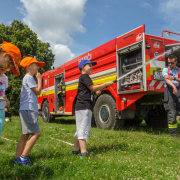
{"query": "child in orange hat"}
[(28, 111), (10, 56)]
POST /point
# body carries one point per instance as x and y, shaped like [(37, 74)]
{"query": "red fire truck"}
[(136, 96)]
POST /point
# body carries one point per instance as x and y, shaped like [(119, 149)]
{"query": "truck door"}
[(59, 93), (131, 55)]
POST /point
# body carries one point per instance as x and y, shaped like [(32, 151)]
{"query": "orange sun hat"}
[(15, 53), (29, 60)]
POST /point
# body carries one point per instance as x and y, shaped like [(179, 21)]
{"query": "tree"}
[(26, 40)]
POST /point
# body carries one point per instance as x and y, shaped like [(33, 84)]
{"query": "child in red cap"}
[(28, 111), (10, 56)]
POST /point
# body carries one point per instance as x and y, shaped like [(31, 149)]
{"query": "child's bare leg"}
[(76, 144), (21, 144), (31, 142), (82, 143)]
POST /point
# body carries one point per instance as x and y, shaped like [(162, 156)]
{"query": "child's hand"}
[(7, 103), (98, 93), (41, 113), (39, 76), (110, 83)]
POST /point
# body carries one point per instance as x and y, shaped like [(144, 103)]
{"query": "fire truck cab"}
[(136, 60)]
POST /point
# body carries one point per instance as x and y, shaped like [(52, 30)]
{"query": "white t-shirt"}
[(3, 87), (28, 98)]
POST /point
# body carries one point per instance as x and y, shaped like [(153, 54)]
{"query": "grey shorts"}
[(29, 122), (83, 123)]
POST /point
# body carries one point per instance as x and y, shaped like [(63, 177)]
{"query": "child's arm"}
[(37, 89), (8, 103), (100, 86)]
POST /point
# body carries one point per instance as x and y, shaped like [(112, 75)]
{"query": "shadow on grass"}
[(18, 172), (111, 147), (64, 121), (147, 129), (45, 163), (141, 128)]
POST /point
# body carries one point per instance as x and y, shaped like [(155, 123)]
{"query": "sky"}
[(74, 27)]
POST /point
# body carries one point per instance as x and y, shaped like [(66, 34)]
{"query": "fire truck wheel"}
[(105, 112), (157, 117), (93, 123), (46, 117)]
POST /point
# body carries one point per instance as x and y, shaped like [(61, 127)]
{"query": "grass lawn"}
[(129, 153)]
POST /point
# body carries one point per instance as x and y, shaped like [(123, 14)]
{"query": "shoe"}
[(26, 162), (86, 155), (16, 161), (76, 152)]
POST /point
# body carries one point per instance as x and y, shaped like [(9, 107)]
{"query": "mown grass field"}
[(129, 153)]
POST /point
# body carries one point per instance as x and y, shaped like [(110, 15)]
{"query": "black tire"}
[(93, 123), (46, 117), (105, 112), (133, 122), (157, 117)]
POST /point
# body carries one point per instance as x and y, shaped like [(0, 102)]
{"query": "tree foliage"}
[(26, 40)]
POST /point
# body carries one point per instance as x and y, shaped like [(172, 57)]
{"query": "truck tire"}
[(45, 108), (157, 117), (93, 123), (105, 112)]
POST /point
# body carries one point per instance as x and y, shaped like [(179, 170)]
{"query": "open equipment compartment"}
[(130, 58)]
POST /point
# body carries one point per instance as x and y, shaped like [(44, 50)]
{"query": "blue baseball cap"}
[(84, 62)]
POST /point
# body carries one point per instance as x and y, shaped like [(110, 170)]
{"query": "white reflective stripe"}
[(155, 64), (152, 82), (39, 105), (94, 76), (103, 73), (48, 89), (160, 85)]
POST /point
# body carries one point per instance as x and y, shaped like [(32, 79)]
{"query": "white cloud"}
[(54, 21), (170, 12), (146, 5), (62, 54)]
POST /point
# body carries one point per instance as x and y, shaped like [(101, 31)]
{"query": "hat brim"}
[(15, 71), (93, 63), (40, 64)]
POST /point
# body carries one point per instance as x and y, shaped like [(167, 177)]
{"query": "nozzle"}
[(115, 81)]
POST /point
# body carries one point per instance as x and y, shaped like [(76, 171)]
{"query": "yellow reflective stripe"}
[(172, 125), (96, 81), (61, 91)]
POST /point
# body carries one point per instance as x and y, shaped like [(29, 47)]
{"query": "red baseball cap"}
[(15, 53)]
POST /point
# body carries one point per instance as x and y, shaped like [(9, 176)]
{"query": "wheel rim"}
[(45, 112), (104, 113)]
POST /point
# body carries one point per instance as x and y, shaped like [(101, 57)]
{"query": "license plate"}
[(157, 75)]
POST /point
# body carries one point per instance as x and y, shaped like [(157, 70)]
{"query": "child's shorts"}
[(29, 122), (83, 123)]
